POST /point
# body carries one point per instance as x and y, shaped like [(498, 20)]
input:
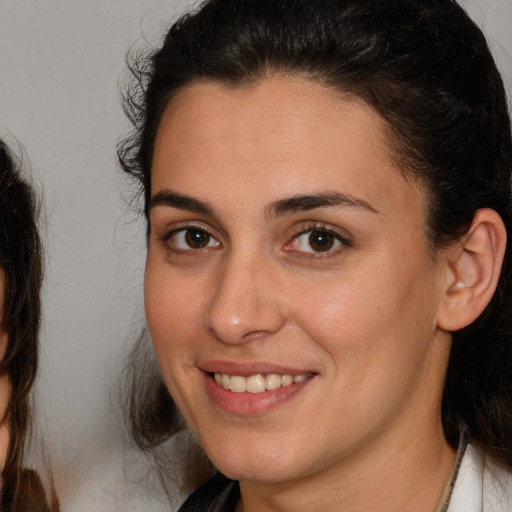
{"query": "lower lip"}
[(250, 404)]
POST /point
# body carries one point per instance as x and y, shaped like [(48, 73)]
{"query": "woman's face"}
[(288, 258)]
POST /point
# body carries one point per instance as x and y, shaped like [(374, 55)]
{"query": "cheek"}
[(378, 315), (375, 334), (344, 305), (175, 312), (174, 318)]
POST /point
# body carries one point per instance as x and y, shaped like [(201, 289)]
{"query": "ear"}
[(474, 266)]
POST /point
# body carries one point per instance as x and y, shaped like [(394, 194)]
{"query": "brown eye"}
[(192, 238), (318, 241), (196, 238), (321, 241)]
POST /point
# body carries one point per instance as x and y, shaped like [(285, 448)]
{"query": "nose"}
[(246, 304)]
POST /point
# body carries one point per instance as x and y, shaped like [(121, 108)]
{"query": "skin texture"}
[(363, 317)]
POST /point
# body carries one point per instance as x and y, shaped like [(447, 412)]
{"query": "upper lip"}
[(246, 369)]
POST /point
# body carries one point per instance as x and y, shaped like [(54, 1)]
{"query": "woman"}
[(327, 189), (21, 276)]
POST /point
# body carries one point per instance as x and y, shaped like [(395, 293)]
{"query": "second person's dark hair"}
[(21, 263)]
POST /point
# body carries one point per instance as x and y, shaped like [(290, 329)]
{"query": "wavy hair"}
[(21, 263)]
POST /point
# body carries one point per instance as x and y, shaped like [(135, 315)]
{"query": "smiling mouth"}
[(258, 383)]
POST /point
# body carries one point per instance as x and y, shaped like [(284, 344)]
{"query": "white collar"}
[(481, 485)]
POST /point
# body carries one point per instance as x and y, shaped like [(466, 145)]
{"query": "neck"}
[(405, 474)]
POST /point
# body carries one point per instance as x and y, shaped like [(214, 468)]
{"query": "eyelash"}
[(310, 228), (320, 228), (166, 238)]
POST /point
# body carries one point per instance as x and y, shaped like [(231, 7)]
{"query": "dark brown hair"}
[(21, 264), (426, 69)]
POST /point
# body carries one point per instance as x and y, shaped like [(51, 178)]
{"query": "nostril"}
[(254, 335)]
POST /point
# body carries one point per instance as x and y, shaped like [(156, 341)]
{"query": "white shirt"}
[(481, 485)]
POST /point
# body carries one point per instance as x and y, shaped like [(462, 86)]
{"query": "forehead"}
[(277, 136)]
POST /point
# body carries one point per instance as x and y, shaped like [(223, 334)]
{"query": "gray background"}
[(60, 64)]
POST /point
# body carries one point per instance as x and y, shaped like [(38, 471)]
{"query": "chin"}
[(262, 473), (259, 464)]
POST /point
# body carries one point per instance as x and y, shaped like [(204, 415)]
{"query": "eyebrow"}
[(302, 203), (181, 202), (297, 203)]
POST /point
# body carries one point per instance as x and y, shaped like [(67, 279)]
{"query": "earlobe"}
[(474, 268)]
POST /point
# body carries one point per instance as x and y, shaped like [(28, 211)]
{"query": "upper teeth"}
[(256, 383)]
